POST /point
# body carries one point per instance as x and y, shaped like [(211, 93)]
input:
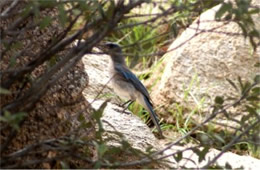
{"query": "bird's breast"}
[(123, 88)]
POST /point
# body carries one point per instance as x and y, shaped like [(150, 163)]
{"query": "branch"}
[(4, 14), (235, 140)]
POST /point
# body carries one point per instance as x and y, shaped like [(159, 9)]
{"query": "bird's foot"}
[(128, 102), (123, 111)]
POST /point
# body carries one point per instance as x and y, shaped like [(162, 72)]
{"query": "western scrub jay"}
[(126, 84)]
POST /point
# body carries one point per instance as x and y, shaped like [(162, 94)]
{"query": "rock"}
[(47, 119), (134, 130), (140, 137), (97, 68), (191, 159), (206, 53)]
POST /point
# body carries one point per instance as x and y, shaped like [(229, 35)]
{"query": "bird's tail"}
[(148, 106)]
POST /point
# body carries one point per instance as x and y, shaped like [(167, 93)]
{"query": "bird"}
[(125, 83)]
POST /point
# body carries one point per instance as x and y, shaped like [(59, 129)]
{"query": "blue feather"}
[(128, 75), (153, 114)]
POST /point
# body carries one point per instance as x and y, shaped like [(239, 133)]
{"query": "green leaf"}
[(232, 84), (17, 45), (85, 125), (62, 14), (254, 11), (97, 116), (257, 79), (111, 9), (47, 4), (45, 22), (219, 100), (178, 157), (243, 28), (257, 64), (252, 42), (101, 11), (98, 113), (175, 29), (253, 98), (102, 150), (12, 61), (244, 119), (254, 33), (81, 118), (97, 165), (240, 83), (203, 153), (83, 6), (219, 138), (52, 61), (246, 87), (13, 119), (225, 7), (64, 165), (36, 10), (228, 166), (27, 9), (251, 110), (125, 144), (256, 91), (4, 91), (196, 151), (76, 11)]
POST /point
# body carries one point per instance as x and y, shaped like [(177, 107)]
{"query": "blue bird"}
[(125, 84)]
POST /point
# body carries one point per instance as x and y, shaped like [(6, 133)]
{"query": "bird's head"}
[(113, 48), (115, 52)]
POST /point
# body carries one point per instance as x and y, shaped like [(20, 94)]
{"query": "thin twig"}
[(14, 3), (230, 144)]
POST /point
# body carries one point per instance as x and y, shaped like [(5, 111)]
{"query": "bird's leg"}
[(128, 103), (123, 105)]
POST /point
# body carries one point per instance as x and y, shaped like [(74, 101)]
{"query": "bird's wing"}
[(129, 76)]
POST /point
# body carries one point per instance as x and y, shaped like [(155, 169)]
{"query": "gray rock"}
[(191, 159), (206, 53), (134, 130), (96, 67)]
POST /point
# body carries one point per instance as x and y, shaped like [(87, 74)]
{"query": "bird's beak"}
[(102, 47)]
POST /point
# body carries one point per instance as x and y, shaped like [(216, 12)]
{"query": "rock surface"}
[(62, 100), (97, 68), (140, 136), (191, 159), (206, 53), (134, 130)]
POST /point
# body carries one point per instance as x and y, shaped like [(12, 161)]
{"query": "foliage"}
[(144, 37), (241, 13), (27, 74)]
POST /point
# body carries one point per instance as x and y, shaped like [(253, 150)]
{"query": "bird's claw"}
[(123, 111)]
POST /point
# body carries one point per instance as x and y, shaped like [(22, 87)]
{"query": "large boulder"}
[(201, 59), (97, 68)]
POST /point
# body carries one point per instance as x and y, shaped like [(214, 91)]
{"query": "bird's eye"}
[(112, 45)]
